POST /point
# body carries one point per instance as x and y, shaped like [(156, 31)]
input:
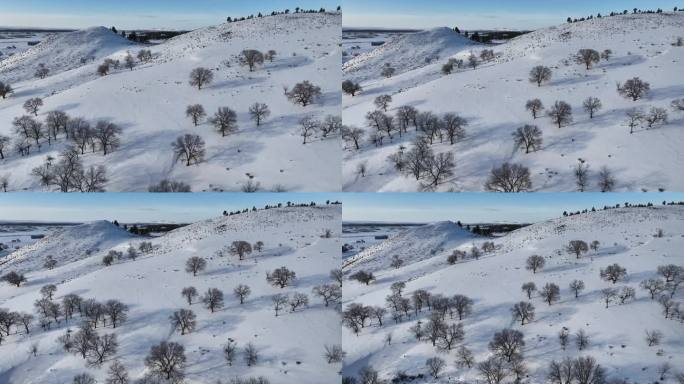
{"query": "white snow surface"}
[(494, 284), (151, 287), (149, 104), (492, 98)]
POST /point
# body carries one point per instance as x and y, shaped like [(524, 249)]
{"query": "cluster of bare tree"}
[(68, 174), (308, 126)]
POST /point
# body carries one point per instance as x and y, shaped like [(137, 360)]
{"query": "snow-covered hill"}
[(290, 346), (407, 52), (492, 99), (149, 104), (493, 282), (62, 52)]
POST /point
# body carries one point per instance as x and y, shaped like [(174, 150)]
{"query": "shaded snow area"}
[(492, 99), (492, 281), (290, 347), (149, 104)]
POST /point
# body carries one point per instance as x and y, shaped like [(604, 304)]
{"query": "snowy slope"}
[(435, 238), (149, 104), (494, 284), (492, 98), (62, 52), (290, 346), (407, 52)]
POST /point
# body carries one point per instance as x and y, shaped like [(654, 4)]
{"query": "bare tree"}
[(259, 112), (334, 354), (509, 178), (563, 338), (591, 105), (106, 134), (330, 125), (363, 277), (582, 340), (4, 143), (353, 135), (613, 273), (464, 357), (241, 292), (606, 180), (550, 293), (240, 248), (540, 74), (608, 295), (577, 286), (304, 93), (634, 89), (298, 300), (280, 277), (279, 301), (166, 360), (534, 263), (560, 113), (84, 378), (387, 70), (534, 106), (195, 264), (103, 69), (493, 370), (336, 275), (129, 61), (229, 352), (213, 299), (102, 348), (117, 312), (577, 248), (634, 119), (507, 343), (330, 293), (189, 293), (56, 122), (435, 366), (382, 102), (653, 337), (189, 148), (5, 89), (523, 311), (656, 117), (225, 121), (351, 88), (270, 55), (528, 288), (581, 172), (587, 57), (437, 169), (251, 354), (144, 55), (117, 374), (454, 126), (473, 61), (183, 320), (251, 58), (653, 286), (670, 272), (625, 294), (528, 137), (195, 112), (308, 126), (201, 76)]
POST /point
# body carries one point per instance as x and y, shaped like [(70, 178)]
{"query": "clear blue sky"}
[(139, 14), (482, 207), (487, 14), (386, 207), (138, 207)]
